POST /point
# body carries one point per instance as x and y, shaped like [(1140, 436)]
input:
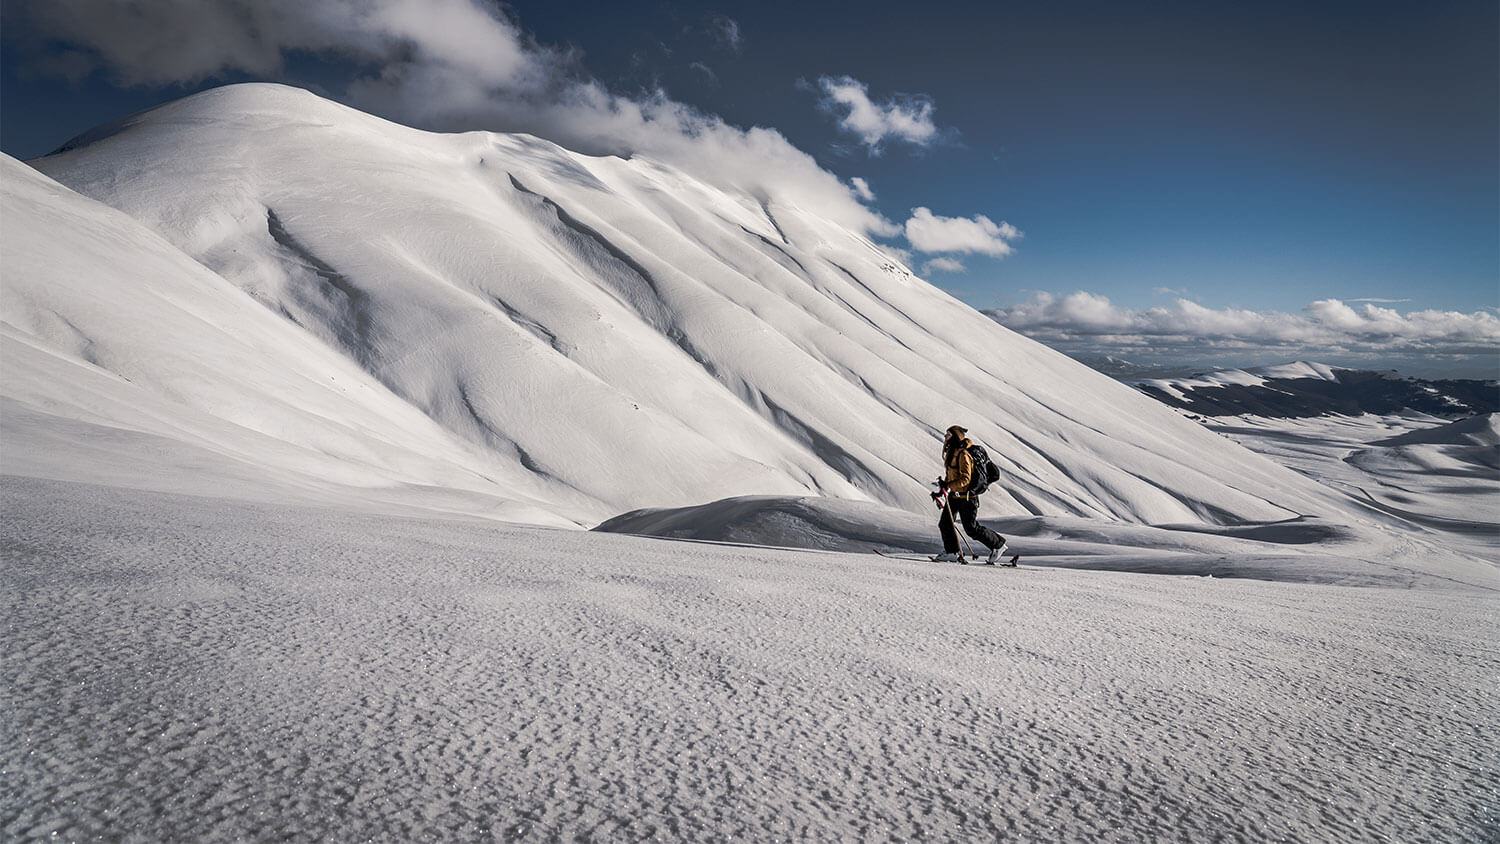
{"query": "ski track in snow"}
[(194, 669)]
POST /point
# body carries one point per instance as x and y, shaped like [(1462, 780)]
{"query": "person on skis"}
[(958, 485)]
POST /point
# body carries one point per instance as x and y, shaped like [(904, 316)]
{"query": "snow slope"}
[(1431, 488), (197, 669), (1433, 478), (123, 356), (624, 334)]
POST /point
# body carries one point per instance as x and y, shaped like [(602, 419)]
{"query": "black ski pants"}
[(967, 510)]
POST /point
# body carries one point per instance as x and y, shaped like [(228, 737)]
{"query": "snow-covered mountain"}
[(1304, 389), (257, 277), (264, 360)]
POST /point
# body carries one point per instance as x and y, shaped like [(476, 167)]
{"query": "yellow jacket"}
[(959, 468)]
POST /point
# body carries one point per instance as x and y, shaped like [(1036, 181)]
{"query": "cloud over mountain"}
[(929, 232), (448, 65), (1083, 321), (943, 265), (903, 117)]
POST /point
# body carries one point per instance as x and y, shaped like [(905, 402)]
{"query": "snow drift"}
[(588, 334)]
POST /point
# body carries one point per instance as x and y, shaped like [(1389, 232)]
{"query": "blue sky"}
[(1236, 182)]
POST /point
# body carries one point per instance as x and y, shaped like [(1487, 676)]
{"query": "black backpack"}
[(985, 472)]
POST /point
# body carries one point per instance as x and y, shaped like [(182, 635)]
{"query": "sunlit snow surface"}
[(1433, 486), (184, 668), (297, 445)]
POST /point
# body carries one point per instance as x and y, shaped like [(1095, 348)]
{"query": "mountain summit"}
[(287, 285)]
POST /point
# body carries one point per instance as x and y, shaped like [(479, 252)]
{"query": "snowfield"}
[(362, 483), (187, 668), (1437, 477)]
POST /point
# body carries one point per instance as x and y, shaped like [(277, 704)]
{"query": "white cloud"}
[(903, 117), (727, 31), (930, 233), (1084, 319), (862, 189), (447, 65), (943, 265), (706, 71)]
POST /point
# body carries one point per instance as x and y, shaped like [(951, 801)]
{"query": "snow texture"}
[(190, 669)]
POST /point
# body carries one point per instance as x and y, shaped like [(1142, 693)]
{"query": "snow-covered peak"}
[(619, 333), (1252, 377), (1299, 369)]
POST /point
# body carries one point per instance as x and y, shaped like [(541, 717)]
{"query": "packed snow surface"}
[(303, 412), (189, 668)]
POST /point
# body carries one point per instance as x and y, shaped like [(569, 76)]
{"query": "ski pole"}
[(963, 532), (956, 525)]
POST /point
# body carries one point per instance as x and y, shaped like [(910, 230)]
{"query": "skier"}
[(958, 481)]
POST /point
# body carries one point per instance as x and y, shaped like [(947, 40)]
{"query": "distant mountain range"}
[(1308, 389)]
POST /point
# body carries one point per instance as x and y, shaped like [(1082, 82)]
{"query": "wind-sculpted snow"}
[(1433, 490), (1299, 550), (1430, 477), (1474, 432), (111, 335), (198, 669), (626, 334)]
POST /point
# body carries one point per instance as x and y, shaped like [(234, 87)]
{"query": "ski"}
[(914, 558), (1013, 562)]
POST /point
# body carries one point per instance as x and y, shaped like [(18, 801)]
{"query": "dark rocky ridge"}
[(1351, 393)]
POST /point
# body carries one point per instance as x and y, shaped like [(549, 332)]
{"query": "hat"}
[(955, 429)]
